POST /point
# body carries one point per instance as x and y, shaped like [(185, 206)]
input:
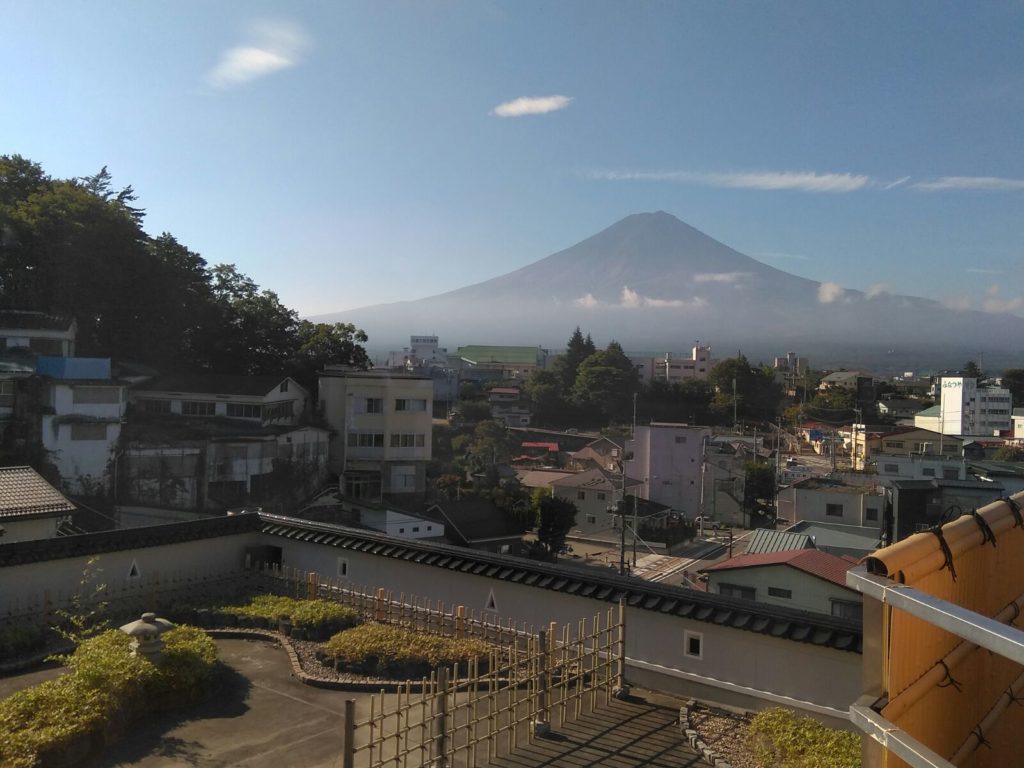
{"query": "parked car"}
[(713, 525)]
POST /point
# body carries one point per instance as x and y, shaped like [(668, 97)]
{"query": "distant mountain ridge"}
[(651, 281)]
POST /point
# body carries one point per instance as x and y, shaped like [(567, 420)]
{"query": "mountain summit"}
[(654, 282)]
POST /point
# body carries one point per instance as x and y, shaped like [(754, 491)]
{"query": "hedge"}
[(389, 651), (782, 739), (63, 721), (17, 639), (318, 618)]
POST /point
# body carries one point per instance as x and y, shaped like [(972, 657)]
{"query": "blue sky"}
[(346, 154)]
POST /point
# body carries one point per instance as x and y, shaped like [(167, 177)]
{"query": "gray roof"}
[(746, 615), (214, 384), (767, 540), (838, 539)]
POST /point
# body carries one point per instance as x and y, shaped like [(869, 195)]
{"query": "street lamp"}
[(615, 509)]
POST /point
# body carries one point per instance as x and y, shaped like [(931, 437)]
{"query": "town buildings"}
[(967, 409)]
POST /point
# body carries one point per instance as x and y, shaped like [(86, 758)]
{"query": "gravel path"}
[(726, 733)]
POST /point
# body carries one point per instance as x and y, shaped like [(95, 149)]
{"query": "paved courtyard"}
[(265, 718)]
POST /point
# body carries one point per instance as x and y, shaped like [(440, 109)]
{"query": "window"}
[(893, 443), (871, 514), (600, 495), (401, 530), (342, 566), (950, 473), (834, 510), (415, 529), (88, 431), (284, 386), (89, 395), (780, 592), (374, 405), (693, 644), (734, 590), (680, 439), (407, 440), (405, 404), (846, 609), (198, 408), (592, 519), (155, 406), (581, 495), (928, 471), (244, 411), (365, 439), (891, 469), (6, 392)]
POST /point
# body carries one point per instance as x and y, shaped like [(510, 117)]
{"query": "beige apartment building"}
[(381, 425)]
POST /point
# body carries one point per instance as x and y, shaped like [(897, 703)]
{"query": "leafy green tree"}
[(757, 396), (576, 351), (473, 411), (1009, 453), (972, 371), (759, 494), (320, 344), (606, 382), (555, 518), (547, 399), (1013, 380)]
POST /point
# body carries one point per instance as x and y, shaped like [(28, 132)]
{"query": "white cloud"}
[(531, 105), (630, 299), (897, 183), (721, 277), (270, 47), (802, 181), (980, 271), (995, 303), (957, 303), (878, 289), (982, 183), (830, 292)]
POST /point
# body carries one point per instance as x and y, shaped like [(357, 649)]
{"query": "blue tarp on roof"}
[(73, 367)]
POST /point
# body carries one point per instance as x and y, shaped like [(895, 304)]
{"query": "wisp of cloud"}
[(272, 46), (531, 105)]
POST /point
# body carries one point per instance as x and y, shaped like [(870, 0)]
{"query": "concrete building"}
[(264, 400), (593, 492), (825, 500), (40, 332), (508, 406), (507, 362), (967, 409), (83, 409), (668, 368), (668, 460), (382, 423)]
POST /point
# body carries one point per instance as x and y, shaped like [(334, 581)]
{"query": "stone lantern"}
[(145, 634)]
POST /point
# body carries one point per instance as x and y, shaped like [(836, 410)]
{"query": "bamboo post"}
[(441, 719), (460, 621), (621, 687), (542, 721), (348, 735), (379, 608)]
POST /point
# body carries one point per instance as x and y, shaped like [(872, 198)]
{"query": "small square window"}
[(871, 514), (415, 529), (401, 530), (600, 495), (592, 519), (780, 592), (342, 566), (581, 495), (693, 644)]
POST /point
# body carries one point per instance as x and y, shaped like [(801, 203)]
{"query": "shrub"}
[(390, 651), (16, 639), (105, 691), (320, 618), (781, 738)]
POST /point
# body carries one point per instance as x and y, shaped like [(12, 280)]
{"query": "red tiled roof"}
[(552, 447), (24, 493), (812, 561)]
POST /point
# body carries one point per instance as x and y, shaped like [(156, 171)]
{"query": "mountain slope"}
[(653, 282)]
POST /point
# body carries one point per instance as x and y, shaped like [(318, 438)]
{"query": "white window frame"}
[(689, 635)]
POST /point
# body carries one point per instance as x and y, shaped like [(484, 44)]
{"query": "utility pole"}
[(735, 420)]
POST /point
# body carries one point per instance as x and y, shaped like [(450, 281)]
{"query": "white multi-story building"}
[(382, 429), (967, 409), (667, 458), (696, 367)]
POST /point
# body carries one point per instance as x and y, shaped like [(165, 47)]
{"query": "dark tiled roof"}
[(24, 493), (769, 540), (800, 626), (213, 384), (30, 320)]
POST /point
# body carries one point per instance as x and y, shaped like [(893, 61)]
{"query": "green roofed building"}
[(513, 362)]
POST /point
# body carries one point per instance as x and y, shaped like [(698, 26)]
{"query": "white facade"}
[(282, 404), (82, 432), (383, 429), (785, 586), (967, 409), (667, 459), (832, 503), (400, 524)]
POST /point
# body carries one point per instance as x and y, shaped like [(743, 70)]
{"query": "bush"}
[(106, 690), (16, 639), (781, 738), (320, 618), (389, 651)]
